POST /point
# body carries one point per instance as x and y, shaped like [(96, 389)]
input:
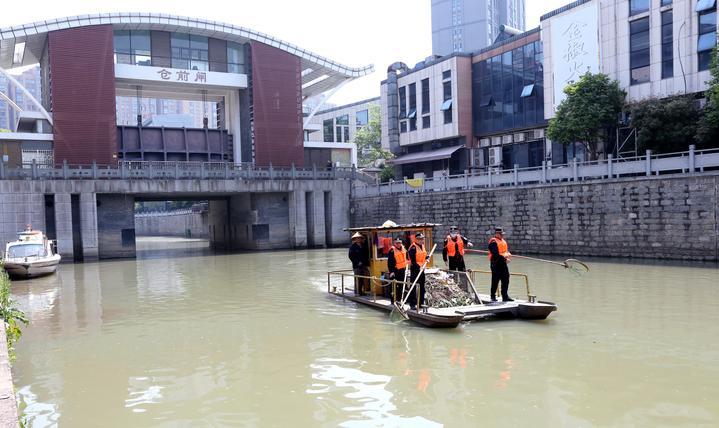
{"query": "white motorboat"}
[(31, 255)]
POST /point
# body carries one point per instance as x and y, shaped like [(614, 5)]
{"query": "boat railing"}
[(336, 283), (530, 297)]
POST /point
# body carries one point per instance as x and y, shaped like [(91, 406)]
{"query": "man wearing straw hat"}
[(359, 255)]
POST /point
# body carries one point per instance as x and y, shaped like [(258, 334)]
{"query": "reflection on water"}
[(182, 337)]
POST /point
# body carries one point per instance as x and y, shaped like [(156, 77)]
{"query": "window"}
[(425, 96), (402, 102), (639, 50), (425, 122), (189, 51), (527, 91), (703, 5), (667, 45), (447, 74), (412, 113), (132, 47), (666, 2), (707, 38), (362, 118), (447, 91), (328, 131), (343, 120), (403, 126), (638, 6), (235, 58), (448, 115), (342, 129)]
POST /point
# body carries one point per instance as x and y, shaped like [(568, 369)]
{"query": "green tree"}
[(665, 125), (708, 129), (590, 112), (367, 139)]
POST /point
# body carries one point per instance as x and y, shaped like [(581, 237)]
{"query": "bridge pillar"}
[(298, 219), (115, 226), (218, 224), (63, 226), (88, 226)]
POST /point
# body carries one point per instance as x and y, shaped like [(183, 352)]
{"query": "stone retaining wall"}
[(659, 217), (185, 224)]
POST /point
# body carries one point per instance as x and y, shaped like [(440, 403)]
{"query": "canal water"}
[(184, 338)]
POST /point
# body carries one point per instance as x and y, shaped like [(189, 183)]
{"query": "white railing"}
[(132, 170), (689, 162)]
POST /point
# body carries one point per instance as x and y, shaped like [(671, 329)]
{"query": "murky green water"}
[(182, 338)]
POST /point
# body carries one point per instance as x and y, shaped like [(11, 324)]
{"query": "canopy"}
[(443, 153)]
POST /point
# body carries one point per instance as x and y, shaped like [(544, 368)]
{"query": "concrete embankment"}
[(8, 405), (660, 217), (184, 223)]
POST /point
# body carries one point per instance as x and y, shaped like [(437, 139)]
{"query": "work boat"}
[(31, 255), (454, 298)]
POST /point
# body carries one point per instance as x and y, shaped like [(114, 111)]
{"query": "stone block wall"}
[(667, 218), (172, 224)]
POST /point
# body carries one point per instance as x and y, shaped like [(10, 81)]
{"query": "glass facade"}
[(639, 50), (667, 44), (508, 90), (185, 51), (235, 58), (707, 37), (132, 47)]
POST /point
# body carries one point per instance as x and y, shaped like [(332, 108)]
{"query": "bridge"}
[(89, 209)]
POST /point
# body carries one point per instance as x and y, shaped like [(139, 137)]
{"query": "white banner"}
[(179, 76), (575, 46)]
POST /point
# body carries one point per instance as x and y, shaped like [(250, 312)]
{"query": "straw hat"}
[(357, 235)]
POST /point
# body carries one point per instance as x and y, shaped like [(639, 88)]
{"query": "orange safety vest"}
[(400, 258), (421, 255), (454, 247), (502, 247)]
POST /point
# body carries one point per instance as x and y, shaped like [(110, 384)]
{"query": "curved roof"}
[(315, 67)]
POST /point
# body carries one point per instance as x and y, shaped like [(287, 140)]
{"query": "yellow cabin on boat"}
[(379, 240)]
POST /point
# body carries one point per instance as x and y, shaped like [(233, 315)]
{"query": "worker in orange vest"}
[(499, 256), (417, 256), (453, 252), (397, 262)]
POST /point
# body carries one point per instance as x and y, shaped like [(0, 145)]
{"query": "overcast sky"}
[(353, 32)]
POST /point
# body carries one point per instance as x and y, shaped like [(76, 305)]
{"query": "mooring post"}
[(575, 169), (692, 158)]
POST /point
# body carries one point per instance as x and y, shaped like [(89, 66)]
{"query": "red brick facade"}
[(277, 106), (82, 87)]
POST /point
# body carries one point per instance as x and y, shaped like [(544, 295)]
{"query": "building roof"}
[(374, 100), (563, 9), (314, 67)]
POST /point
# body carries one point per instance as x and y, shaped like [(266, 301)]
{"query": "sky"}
[(352, 32)]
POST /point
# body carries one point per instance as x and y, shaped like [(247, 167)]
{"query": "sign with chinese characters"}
[(127, 72), (575, 46)]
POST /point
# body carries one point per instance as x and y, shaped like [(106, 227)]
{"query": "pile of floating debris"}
[(442, 291)]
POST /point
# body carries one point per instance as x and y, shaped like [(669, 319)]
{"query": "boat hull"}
[(32, 269), (435, 321)]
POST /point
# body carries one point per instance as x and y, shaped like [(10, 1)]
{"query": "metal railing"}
[(136, 170), (689, 162)]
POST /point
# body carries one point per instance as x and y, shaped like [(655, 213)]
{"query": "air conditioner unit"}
[(477, 158), (539, 133), (495, 156), (519, 137), (496, 141), (506, 139), (484, 142)]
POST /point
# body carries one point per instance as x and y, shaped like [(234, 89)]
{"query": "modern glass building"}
[(470, 25)]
